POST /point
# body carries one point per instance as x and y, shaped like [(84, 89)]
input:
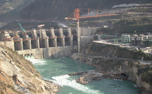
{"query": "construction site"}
[(45, 43)]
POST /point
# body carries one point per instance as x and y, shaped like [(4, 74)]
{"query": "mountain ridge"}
[(59, 9)]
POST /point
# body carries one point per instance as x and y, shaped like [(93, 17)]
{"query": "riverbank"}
[(136, 70), (56, 70), (96, 75)]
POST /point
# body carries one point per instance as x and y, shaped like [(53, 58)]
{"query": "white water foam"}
[(35, 61), (64, 80)]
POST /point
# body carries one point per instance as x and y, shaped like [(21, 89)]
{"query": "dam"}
[(46, 43)]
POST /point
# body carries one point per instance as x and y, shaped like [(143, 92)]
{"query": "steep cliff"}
[(116, 52), (18, 76), (116, 60)]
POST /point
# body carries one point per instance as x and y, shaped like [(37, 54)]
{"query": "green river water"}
[(55, 69)]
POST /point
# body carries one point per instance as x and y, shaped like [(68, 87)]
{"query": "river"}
[(55, 69)]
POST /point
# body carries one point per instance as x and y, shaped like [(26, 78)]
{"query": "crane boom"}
[(21, 26), (83, 17), (77, 15)]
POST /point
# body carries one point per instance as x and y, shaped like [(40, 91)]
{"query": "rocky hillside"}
[(59, 9), (97, 49), (10, 9), (8, 5), (131, 25), (54, 10), (18, 76), (117, 60), (14, 25)]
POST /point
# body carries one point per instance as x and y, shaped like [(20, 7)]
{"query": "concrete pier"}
[(26, 44), (52, 39), (4, 35), (35, 40), (7, 39), (70, 37), (44, 39), (18, 44), (74, 33), (61, 37), (26, 41)]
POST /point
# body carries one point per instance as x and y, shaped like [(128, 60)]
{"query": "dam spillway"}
[(42, 43), (46, 43)]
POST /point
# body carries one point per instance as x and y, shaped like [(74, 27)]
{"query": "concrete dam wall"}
[(44, 43)]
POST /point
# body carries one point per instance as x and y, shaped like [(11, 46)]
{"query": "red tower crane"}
[(76, 16)]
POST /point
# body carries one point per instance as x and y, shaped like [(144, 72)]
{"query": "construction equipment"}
[(21, 26), (40, 29), (76, 16), (41, 25)]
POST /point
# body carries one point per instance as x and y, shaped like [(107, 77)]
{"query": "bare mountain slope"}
[(58, 9)]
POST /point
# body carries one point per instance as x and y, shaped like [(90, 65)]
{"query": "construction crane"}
[(76, 16)]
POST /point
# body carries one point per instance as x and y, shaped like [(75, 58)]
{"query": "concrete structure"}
[(87, 35), (133, 39), (125, 38), (140, 40), (47, 43)]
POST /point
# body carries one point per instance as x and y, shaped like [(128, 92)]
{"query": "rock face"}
[(18, 76), (89, 76), (115, 60)]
